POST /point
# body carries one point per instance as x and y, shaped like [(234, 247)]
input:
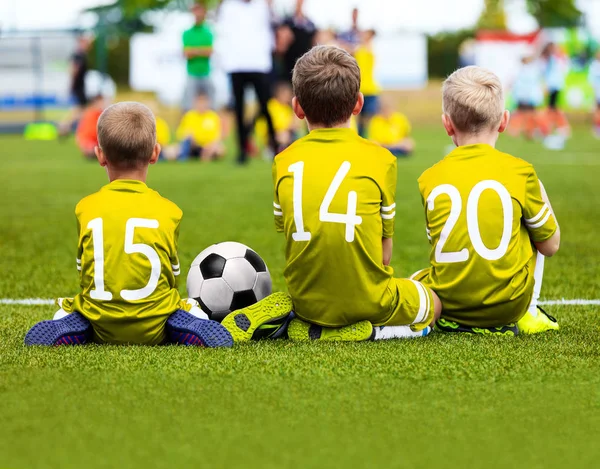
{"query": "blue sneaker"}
[(73, 329), (184, 328)]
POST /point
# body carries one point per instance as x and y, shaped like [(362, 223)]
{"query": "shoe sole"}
[(243, 323), (70, 330), (303, 331), (507, 330), (187, 329)]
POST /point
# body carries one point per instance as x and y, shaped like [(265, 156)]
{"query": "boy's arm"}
[(174, 256), (550, 246), (388, 247), (277, 211), (539, 218), (388, 210)]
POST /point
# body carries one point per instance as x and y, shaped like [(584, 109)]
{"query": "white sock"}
[(61, 313), (538, 276), (195, 309), (399, 332)]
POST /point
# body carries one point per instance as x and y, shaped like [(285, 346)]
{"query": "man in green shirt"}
[(197, 48)]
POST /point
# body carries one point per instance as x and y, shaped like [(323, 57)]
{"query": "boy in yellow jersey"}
[(391, 129), (335, 203), (488, 218), (127, 252), (282, 115), (199, 132), (368, 86)]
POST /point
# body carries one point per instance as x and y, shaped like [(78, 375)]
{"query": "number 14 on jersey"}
[(350, 219)]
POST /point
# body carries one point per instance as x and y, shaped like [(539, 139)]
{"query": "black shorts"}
[(78, 96), (553, 99), (525, 107)]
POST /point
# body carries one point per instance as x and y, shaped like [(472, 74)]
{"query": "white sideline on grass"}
[(42, 301)]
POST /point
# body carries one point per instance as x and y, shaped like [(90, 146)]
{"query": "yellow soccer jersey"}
[(163, 132), (483, 208), (334, 200), (366, 62), (204, 128), (128, 263), (389, 131)]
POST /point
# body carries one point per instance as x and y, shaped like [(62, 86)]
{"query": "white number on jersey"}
[(350, 219), (97, 227), (472, 221)]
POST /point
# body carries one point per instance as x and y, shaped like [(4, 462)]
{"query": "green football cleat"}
[(542, 322), (300, 330), (273, 310), (444, 325)]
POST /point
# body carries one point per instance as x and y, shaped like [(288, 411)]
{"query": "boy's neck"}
[(135, 174), (486, 138), (343, 125)]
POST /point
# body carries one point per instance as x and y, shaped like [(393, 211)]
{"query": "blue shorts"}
[(371, 106)]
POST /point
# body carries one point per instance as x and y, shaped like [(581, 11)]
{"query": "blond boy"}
[(335, 203), (488, 218), (127, 252)]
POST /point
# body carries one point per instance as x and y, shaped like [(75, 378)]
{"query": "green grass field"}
[(442, 401)]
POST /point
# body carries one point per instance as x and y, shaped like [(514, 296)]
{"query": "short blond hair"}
[(473, 99), (127, 134), (326, 82)]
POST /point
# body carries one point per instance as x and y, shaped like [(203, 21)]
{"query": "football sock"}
[(398, 332)]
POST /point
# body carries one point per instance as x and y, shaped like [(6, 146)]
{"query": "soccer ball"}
[(226, 277)]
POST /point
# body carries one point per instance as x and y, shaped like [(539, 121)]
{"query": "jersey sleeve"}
[(537, 215), (174, 256), (79, 246), (277, 211), (388, 200)]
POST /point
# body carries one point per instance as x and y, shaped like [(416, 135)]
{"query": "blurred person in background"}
[(528, 93), (285, 122), (247, 46), (79, 68), (350, 39), (391, 129), (556, 68), (369, 87), (594, 77), (86, 135), (197, 48), (297, 36), (199, 133)]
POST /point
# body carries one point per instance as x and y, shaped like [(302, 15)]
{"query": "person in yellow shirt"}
[(391, 130), (127, 252), (335, 204), (488, 218), (199, 132), (369, 87), (282, 115)]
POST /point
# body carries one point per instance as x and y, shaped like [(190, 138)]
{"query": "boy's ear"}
[(504, 122), (298, 109), (360, 102), (448, 125), (100, 155), (155, 153)]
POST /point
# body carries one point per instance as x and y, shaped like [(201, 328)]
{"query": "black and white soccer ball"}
[(226, 277)]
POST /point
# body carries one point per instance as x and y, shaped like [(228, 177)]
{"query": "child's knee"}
[(437, 306)]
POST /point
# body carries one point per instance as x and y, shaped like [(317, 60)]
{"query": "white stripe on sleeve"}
[(388, 217), (276, 205), (277, 213), (538, 216), (388, 208), (540, 223)]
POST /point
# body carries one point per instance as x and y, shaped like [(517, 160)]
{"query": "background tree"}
[(493, 16), (555, 13)]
